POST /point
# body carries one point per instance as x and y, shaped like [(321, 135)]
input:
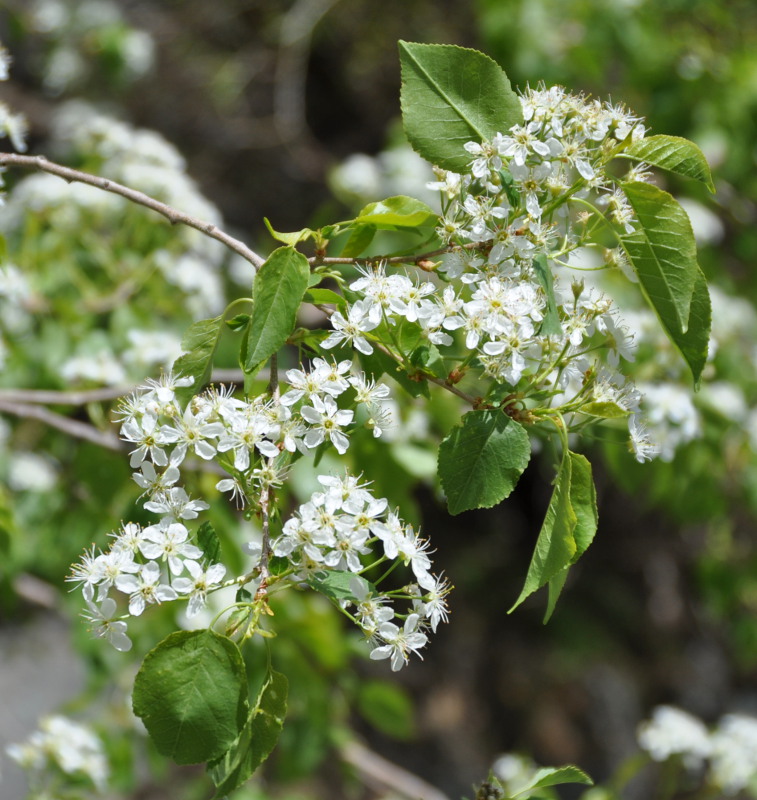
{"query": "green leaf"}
[(674, 154), (209, 543), (550, 325), (324, 297), (428, 358), (388, 707), (693, 343), (451, 96), (279, 287), (568, 530), (555, 776), (555, 546), (337, 584), (481, 460), (379, 363), (360, 237), (663, 252), (604, 409), (583, 499), (190, 693), (199, 343), (397, 212), (257, 739), (238, 322), (290, 239)]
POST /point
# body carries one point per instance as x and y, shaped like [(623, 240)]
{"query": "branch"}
[(173, 215), (383, 775), (73, 427)]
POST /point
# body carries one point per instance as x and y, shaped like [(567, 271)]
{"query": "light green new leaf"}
[(291, 239), (556, 776), (338, 584), (555, 586), (450, 96), (604, 409), (257, 739), (550, 325), (397, 212), (190, 693), (481, 460), (279, 287), (360, 237), (325, 297), (662, 252), (199, 343), (674, 154), (555, 546)]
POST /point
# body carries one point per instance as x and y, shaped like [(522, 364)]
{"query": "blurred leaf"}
[(550, 325), (555, 776), (337, 584), (388, 707), (451, 96), (190, 693), (481, 460)]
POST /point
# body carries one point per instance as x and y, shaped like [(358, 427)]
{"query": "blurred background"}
[(235, 111)]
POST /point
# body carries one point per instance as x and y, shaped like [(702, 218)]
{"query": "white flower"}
[(358, 322), (198, 586), (144, 588), (672, 731), (327, 420), (399, 642), (733, 764), (105, 625), (169, 543)]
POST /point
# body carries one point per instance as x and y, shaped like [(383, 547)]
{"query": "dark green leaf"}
[(555, 546), (190, 693), (550, 325), (662, 252), (277, 293), (481, 460), (379, 363), (428, 358), (675, 155), (555, 586), (450, 96), (257, 739), (199, 344), (207, 540)]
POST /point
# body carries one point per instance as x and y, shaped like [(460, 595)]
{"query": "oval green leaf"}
[(190, 693), (451, 95), (397, 212), (279, 287), (481, 460), (674, 154), (663, 252), (199, 343)]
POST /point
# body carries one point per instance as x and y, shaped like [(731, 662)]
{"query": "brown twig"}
[(174, 216), (383, 775), (72, 427)]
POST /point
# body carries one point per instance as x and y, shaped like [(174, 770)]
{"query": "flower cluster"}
[(255, 441), (730, 748), (530, 203), (341, 526), (63, 744)]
